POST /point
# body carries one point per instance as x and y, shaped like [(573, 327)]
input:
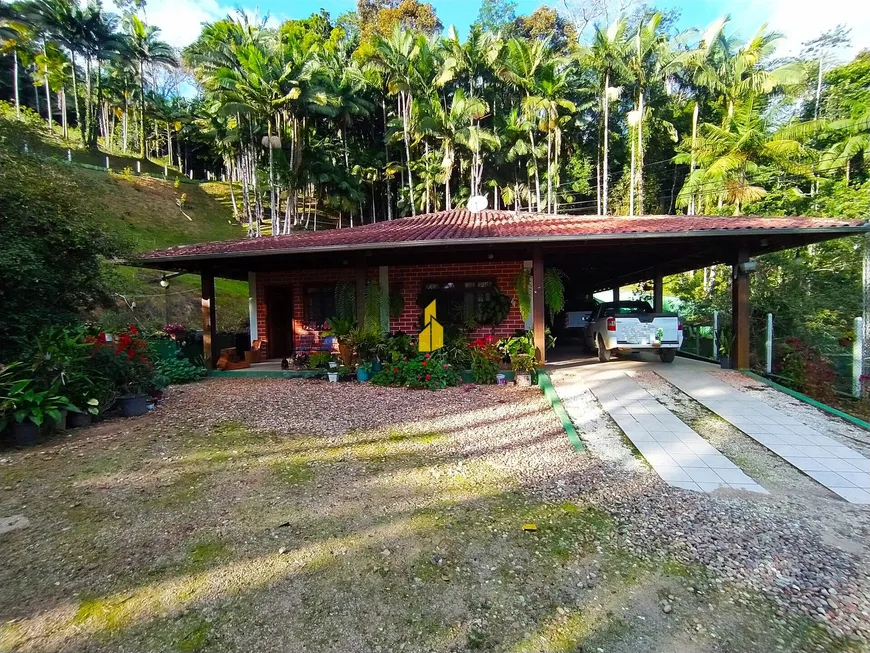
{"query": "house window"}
[(319, 305), (458, 301)]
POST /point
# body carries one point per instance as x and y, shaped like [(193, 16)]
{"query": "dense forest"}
[(383, 113)]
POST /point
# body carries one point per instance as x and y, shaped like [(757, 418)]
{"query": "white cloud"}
[(803, 20), (180, 21)]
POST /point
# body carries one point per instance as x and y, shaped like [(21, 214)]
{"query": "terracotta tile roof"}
[(461, 225)]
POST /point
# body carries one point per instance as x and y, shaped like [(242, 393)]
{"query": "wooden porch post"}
[(361, 291), (740, 311), (209, 334), (658, 293), (538, 304)]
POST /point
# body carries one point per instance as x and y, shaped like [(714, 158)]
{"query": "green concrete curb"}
[(269, 374), (809, 400), (550, 395)]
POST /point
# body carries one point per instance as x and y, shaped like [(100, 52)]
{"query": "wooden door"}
[(279, 320)]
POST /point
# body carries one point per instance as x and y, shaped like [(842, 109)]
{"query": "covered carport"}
[(607, 251)]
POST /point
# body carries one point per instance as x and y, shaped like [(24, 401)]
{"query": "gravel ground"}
[(803, 548), (276, 515)]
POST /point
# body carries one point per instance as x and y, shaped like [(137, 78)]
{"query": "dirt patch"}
[(279, 515)]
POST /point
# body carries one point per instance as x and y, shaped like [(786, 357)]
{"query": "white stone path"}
[(678, 455), (834, 465)]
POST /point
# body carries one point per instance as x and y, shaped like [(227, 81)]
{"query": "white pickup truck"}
[(633, 326)]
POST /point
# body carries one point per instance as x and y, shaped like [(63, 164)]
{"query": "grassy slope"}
[(144, 212)]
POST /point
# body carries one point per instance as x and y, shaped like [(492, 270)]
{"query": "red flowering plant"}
[(124, 361), (175, 331), (485, 359), (426, 371)]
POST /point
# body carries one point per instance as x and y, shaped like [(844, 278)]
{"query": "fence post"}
[(107, 163), (165, 171), (69, 155), (716, 335), (138, 166), (768, 363), (191, 175), (857, 357)]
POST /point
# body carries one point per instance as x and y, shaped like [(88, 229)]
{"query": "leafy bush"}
[(319, 359), (53, 253), (175, 371), (422, 371), (485, 359), (806, 370), (124, 361), (24, 403), (398, 346), (302, 360)]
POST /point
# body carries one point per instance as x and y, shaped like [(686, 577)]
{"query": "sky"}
[(798, 20)]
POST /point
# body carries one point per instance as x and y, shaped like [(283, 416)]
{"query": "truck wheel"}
[(668, 355), (603, 352)]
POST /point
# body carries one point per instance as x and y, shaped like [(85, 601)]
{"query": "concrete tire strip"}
[(839, 468), (680, 456)]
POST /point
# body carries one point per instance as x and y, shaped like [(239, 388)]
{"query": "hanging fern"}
[(523, 286), (554, 290), (345, 300), (372, 317)]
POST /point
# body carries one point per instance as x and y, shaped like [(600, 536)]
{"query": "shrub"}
[(806, 370), (485, 359), (422, 371), (319, 359), (175, 371), (124, 361), (302, 360)]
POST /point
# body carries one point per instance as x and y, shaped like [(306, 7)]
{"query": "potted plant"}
[(340, 329), (363, 371), (726, 340), (524, 367), (332, 376), (29, 409), (125, 364)]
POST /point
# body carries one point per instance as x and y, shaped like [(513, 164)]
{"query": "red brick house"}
[(464, 257)]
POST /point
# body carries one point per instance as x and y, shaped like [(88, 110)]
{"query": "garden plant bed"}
[(275, 515)]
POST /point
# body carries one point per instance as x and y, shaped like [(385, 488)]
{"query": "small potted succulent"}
[(524, 367), (363, 372), (26, 410)]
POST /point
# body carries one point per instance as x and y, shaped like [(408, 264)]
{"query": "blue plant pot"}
[(133, 406), (328, 342), (362, 374), (377, 367)]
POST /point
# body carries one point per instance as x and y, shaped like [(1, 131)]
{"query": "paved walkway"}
[(832, 464), (678, 455)]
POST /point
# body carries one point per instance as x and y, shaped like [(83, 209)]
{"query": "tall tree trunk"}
[(387, 163), (276, 226), (631, 176), (124, 122), (695, 112), (61, 102), (169, 142), (605, 166), (15, 83), (142, 108), (537, 178), (47, 89), (640, 194), (75, 86), (405, 100), (228, 165), (549, 172)]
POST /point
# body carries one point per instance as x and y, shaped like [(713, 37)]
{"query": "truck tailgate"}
[(647, 330)]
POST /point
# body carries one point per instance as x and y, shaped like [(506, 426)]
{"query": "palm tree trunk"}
[(75, 86), (405, 100), (549, 172), (631, 177), (45, 83), (276, 226), (386, 164), (15, 83), (142, 108), (605, 166), (694, 150), (228, 165), (169, 142), (640, 198), (61, 100), (537, 179)]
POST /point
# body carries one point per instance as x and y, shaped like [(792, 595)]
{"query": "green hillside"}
[(145, 212)]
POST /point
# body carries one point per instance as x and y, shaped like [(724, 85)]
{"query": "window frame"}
[(309, 322), (459, 288)]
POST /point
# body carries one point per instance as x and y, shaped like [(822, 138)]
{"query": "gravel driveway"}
[(277, 515)]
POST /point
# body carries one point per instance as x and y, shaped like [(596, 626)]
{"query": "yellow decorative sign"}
[(432, 335)]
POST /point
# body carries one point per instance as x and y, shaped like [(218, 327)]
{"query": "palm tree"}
[(13, 37), (731, 158), (145, 48), (608, 56), (396, 58)]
